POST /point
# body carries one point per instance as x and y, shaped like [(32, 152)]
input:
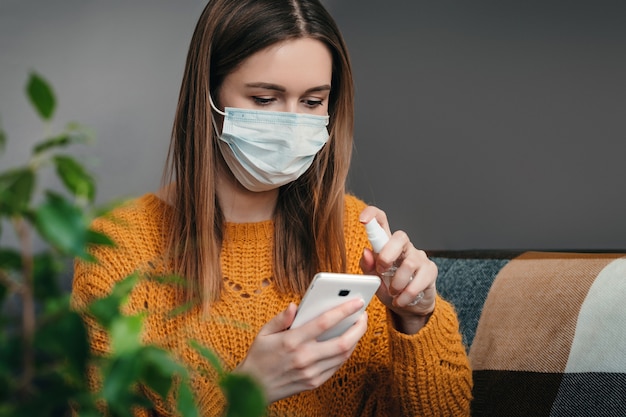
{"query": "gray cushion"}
[(459, 278)]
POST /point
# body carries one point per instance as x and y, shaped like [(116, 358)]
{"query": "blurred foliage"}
[(44, 348)]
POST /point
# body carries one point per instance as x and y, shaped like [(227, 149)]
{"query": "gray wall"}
[(483, 124)]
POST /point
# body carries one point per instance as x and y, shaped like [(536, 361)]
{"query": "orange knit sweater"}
[(389, 373)]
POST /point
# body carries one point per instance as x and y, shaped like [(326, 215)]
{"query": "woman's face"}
[(290, 76)]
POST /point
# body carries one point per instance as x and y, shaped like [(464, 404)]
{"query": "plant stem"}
[(28, 301), (12, 286)]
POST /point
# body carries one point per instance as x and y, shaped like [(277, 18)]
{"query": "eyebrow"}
[(280, 88)]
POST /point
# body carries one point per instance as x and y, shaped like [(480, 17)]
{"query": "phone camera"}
[(343, 293)]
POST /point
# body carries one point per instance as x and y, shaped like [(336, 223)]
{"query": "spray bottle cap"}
[(376, 235)]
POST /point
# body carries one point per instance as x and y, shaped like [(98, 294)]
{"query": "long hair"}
[(308, 220)]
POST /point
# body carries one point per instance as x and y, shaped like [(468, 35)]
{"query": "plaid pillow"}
[(551, 340)]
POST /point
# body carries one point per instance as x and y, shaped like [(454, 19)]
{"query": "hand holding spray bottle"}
[(378, 238)]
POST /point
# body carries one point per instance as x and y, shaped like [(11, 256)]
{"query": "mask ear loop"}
[(214, 107), (217, 132)]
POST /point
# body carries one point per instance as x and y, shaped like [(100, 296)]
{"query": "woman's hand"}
[(410, 292), (286, 362)]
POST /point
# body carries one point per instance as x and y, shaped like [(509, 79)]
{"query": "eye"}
[(263, 101), (312, 103)]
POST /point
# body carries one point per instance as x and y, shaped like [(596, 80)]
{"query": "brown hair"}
[(308, 232)]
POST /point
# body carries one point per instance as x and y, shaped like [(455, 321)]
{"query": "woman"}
[(256, 205)]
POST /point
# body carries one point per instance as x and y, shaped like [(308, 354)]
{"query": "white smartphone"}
[(328, 290)]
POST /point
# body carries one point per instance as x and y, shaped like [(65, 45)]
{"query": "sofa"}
[(545, 331)]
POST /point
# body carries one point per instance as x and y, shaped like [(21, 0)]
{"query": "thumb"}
[(281, 321)]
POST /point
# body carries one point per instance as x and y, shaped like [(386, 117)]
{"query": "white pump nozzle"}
[(376, 235)]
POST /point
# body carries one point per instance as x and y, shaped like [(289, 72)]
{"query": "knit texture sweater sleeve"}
[(431, 367), (429, 372)]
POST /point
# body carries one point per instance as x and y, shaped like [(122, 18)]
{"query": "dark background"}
[(492, 124), (479, 125)]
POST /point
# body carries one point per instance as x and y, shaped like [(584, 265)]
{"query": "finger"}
[(280, 322), (371, 212), (327, 320), (317, 357), (368, 262), (423, 279), (311, 377), (394, 252), (411, 261), (351, 337)]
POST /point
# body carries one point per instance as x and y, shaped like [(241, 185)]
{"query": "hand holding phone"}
[(329, 290)]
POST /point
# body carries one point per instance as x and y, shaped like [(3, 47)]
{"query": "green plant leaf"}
[(3, 293), (3, 139), (181, 309), (97, 238), (120, 377), (159, 370), (208, 355), (11, 348), (63, 225), (16, 189), (122, 289), (10, 260), (104, 210), (54, 142), (88, 413), (106, 309), (243, 396), (185, 402), (41, 96), (126, 333), (62, 338), (45, 276), (73, 133), (75, 178)]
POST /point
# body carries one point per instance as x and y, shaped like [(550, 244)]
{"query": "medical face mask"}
[(267, 149)]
